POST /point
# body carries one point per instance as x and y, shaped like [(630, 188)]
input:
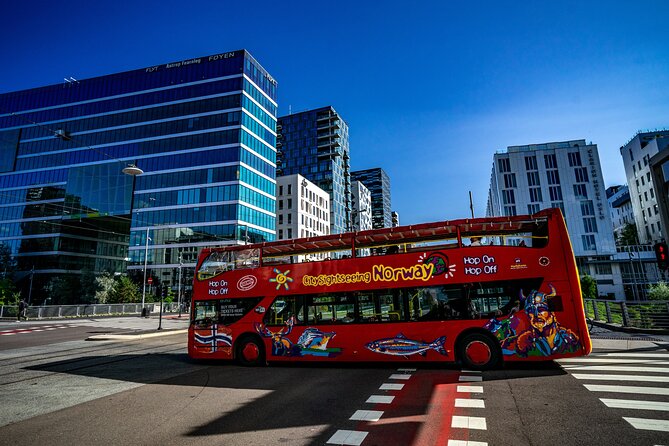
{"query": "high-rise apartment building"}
[(637, 154), (362, 207), (620, 207), (565, 175), (303, 209), (314, 144), (203, 130), (378, 183)]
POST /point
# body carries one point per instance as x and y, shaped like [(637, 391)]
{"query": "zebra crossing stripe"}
[(635, 404), (611, 360), (470, 378), (469, 422), (641, 390), (596, 377), (380, 399), (399, 376), (617, 368), (344, 437), (470, 389), (466, 443), (469, 402), (648, 424), (636, 355), (367, 415)]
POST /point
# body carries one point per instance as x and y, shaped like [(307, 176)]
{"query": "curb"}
[(132, 337)]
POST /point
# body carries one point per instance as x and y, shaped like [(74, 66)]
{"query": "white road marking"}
[(470, 389), (466, 443), (399, 376), (367, 415), (391, 386), (7, 334), (469, 422), (641, 390), (471, 378), (380, 399), (618, 368), (657, 379), (612, 360), (637, 355), (648, 424), (343, 437), (470, 371), (635, 404), (406, 370), (467, 402)]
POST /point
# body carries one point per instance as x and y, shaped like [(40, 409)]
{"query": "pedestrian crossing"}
[(635, 384), (35, 329)]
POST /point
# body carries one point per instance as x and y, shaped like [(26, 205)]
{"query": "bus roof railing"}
[(423, 232)]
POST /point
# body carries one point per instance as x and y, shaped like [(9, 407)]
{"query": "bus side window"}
[(285, 307)]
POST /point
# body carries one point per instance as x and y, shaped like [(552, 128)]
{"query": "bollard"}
[(595, 308)]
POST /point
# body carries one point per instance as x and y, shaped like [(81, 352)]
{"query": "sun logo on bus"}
[(281, 278), (440, 262)]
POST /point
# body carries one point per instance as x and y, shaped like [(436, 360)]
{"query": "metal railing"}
[(647, 314), (74, 311)]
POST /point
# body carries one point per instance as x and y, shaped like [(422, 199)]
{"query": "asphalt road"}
[(76, 392)]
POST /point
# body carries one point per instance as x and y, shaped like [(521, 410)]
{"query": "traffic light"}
[(662, 255)]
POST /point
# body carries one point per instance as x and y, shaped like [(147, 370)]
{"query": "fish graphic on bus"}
[(400, 345)]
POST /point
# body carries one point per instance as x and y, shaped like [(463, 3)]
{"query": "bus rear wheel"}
[(250, 352), (479, 352)]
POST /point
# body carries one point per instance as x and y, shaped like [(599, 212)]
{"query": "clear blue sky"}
[(430, 89)]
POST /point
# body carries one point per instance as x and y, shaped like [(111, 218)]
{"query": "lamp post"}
[(146, 257), (179, 287)]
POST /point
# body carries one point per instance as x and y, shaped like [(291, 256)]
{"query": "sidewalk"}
[(615, 340)]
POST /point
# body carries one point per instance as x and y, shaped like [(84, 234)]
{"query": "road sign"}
[(149, 280)]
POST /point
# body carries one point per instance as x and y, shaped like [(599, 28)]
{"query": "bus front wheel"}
[(479, 352), (250, 352)]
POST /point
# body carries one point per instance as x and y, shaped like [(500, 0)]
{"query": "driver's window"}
[(206, 312)]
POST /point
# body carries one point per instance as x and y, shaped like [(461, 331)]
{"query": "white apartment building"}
[(636, 156), (303, 209), (361, 198), (620, 207), (565, 175)]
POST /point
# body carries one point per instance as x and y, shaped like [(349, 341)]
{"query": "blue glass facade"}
[(378, 183), (314, 144), (203, 131)]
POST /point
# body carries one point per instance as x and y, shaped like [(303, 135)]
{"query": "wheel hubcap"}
[(251, 352), (478, 352)]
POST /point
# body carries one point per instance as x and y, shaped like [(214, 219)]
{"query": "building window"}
[(504, 165), (555, 193), (509, 211), (535, 194), (290, 233), (508, 197), (280, 234), (533, 178), (510, 180), (533, 208), (588, 242), (581, 175), (559, 205), (631, 155), (290, 189), (575, 159), (590, 224), (290, 203), (553, 177), (550, 161), (281, 219), (290, 218), (280, 204), (531, 163), (580, 191), (280, 190), (587, 208), (603, 268)]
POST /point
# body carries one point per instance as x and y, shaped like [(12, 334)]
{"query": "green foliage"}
[(658, 291), (105, 284), (9, 295), (89, 287), (628, 236), (63, 290), (124, 291), (588, 287), (7, 262)]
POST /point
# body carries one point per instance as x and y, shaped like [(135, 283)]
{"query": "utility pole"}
[(146, 257), (30, 291), (179, 287)]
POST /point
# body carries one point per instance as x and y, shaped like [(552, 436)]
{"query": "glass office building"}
[(203, 131), (314, 144), (378, 183)]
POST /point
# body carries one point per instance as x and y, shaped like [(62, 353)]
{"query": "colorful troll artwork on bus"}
[(534, 331), (312, 341)]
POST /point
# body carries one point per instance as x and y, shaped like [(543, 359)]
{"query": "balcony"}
[(331, 143)]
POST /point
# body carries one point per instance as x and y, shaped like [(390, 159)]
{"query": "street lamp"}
[(146, 257), (179, 287)]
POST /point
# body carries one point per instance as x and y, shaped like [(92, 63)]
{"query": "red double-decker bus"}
[(480, 291)]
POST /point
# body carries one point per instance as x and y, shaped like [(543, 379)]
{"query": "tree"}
[(628, 235), (89, 286), (7, 262), (588, 287), (105, 285), (124, 291), (9, 295), (658, 291), (64, 290)]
